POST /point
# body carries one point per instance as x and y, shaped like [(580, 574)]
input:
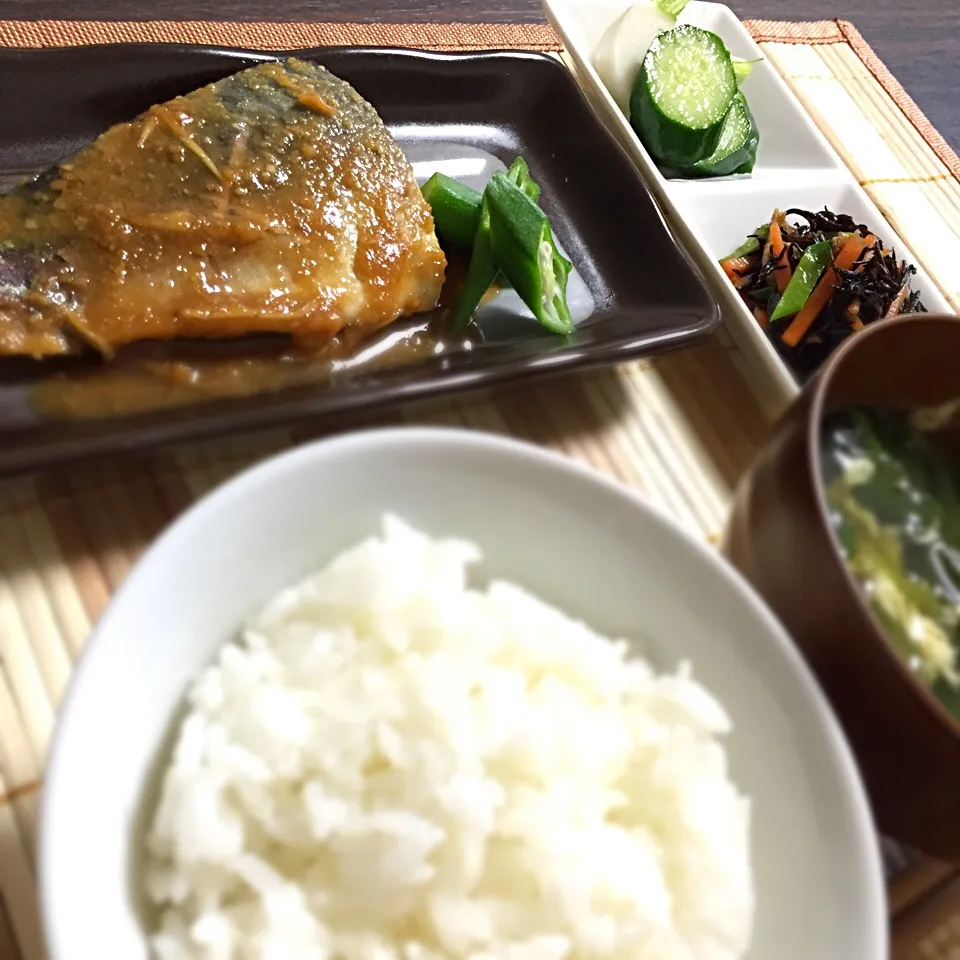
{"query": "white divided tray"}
[(796, 167)]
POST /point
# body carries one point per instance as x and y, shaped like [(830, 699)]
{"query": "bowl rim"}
[(821, 388), (328, 449)]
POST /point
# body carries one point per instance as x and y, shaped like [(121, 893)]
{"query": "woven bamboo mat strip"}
[(280, 36), (899, 159), (680, 428)]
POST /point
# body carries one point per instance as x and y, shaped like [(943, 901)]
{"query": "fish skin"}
[(272, 201)]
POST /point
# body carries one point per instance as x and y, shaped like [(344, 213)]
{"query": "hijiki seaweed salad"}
[(813, 280)]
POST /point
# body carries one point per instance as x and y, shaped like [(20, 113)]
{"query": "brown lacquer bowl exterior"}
[(907, 745)]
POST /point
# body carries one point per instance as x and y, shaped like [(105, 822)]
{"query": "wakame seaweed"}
[(893, 490)]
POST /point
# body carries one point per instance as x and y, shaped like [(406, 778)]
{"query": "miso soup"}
[(893, 492)]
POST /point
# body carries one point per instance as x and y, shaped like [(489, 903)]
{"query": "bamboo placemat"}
[(681, 428)]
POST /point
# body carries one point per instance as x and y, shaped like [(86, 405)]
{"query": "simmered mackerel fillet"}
[(274, 200)]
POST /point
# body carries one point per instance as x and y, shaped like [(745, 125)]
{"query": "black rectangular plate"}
[(647, 294)]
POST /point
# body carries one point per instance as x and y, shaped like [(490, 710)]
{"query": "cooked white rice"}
[(391, 766)]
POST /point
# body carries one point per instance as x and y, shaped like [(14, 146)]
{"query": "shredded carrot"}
[(853, 246), (760, 315), (781, 272), (313, 101), (305, 96), (733, 267), (852, 313)]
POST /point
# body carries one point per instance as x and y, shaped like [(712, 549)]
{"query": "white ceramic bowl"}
[(582, 542)]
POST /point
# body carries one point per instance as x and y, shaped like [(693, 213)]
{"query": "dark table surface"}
[(919, 40)]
